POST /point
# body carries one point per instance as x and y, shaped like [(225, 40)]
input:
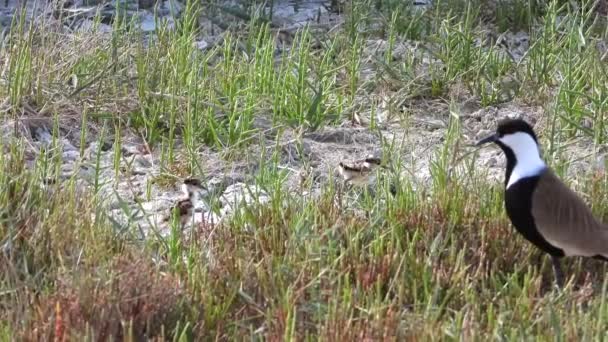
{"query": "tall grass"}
[(409, 260)]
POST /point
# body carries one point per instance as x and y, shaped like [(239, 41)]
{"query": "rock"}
[(157, 206), (483, 133), (289, 13), (148, 22), (70, 155), (171, 7), (119, 219), (129, 150), (43, 136), (201, 45), (67, 145), (142, 162), (241, 194)]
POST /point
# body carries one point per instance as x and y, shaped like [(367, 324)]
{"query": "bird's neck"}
[(195, 196), (522, 165)]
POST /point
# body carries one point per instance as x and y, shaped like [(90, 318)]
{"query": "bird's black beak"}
[(491, 138)]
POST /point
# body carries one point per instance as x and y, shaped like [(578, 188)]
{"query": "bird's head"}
[(373, 161), (517, 140), (516, 136), (192, 187)]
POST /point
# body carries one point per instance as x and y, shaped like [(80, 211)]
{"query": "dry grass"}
[(129, 298)]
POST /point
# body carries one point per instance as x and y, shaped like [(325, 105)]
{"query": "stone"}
[(241, 194)]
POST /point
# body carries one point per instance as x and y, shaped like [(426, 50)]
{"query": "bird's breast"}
[(518, 204)]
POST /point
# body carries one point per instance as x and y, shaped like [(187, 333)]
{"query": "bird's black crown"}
[(511, 126), (373, 160), (192, 181)]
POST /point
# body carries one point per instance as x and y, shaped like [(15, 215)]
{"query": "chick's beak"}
[(489, 139)]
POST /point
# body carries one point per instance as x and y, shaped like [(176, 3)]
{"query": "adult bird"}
[(540, 206)]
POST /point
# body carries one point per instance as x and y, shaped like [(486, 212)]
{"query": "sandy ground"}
[(417, 129)]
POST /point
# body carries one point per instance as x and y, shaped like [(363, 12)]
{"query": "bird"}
[(360, 172), (540, 205), (191, 188), (184, 208)]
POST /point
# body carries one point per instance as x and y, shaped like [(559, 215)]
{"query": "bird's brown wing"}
[(565, 221), (183, 207)]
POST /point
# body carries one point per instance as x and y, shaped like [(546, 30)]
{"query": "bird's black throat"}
[(518, 203)]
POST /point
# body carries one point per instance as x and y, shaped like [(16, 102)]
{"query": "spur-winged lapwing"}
[(541, 207)]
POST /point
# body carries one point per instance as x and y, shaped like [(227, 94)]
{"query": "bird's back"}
[(564, 219)]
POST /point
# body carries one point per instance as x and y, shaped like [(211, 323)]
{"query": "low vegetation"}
[(436, 260)]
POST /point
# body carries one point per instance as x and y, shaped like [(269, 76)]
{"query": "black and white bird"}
[(359, 172), (192, 188), (184, 208), (540, 206)]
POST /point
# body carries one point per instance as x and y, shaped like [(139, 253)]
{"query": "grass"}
[(438, 260)]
